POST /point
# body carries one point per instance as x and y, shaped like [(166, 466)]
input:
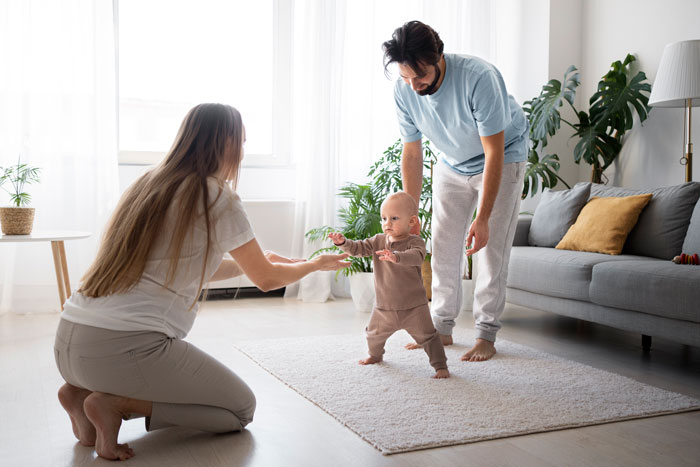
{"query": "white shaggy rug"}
[(396, 407)]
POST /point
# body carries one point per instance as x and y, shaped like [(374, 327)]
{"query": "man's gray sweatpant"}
[(455, 197)]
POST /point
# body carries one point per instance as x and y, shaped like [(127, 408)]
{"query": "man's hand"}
[(387, 255), (478, 234), (337, 238)]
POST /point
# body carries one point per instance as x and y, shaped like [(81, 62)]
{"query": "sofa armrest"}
[(522, 230)]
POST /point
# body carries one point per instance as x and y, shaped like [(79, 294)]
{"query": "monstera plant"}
[(599, 131)]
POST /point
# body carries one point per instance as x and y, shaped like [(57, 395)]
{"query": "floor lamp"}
[(678, 85)]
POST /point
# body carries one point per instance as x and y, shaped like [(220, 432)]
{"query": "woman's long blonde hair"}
[(209, 143)]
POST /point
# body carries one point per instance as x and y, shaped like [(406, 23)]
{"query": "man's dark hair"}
[(414, 44)]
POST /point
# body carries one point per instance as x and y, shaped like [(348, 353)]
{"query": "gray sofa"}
[(640, 290)]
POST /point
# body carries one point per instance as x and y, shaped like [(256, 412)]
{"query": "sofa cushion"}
[(557, 273), (555, 213), (659, 288), (604, 224), (663, 224), (522, 229), (691, 244)]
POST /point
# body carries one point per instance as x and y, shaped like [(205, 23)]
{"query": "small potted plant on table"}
[(18, 219)]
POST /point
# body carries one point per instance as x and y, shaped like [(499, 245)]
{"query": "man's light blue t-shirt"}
[(472, 101)]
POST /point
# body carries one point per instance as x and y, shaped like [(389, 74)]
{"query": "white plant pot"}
[(467, 295), (362, 291)]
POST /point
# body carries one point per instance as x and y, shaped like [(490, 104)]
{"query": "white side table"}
[(59, 253)]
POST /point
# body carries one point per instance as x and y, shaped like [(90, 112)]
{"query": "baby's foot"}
[(442, 373), (104, 412), (370, 360), (444, 338), (72, 398)]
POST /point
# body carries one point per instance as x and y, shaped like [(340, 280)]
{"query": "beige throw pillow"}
[(603, 224)]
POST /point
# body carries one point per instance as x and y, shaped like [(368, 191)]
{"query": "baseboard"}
[(241, 292)]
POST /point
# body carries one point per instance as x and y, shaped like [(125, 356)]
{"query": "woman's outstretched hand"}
[(331, 262), (275, 258)]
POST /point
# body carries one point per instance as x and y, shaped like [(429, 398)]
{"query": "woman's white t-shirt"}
[(149, 305)]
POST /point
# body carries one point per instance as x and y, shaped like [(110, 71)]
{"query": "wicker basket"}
[(427, 272), (17, 221)]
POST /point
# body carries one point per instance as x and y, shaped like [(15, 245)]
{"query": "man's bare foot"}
[(483, 350), (370, 360), (104, 411), (446, 340), (442, 373), (72, 398)]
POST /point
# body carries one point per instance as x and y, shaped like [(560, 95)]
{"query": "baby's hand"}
[(387, 255), (337, 238)]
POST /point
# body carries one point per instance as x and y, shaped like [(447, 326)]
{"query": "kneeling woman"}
[(119, 344)]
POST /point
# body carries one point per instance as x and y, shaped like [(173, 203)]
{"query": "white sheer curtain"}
[(344, 114), (58, 110)]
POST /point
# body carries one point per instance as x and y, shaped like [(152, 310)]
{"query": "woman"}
[(119, 343)]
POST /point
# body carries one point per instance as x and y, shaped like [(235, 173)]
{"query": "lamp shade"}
[(678, 77)]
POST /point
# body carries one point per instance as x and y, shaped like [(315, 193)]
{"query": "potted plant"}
[(601, 130), (18, 219), (361, 217), (386, 175)]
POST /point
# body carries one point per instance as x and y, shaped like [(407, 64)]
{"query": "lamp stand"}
[(687, 158)]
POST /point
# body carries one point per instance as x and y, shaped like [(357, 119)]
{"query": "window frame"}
[(282, 18)]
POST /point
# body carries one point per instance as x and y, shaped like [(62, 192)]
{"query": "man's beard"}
[(431, 88)]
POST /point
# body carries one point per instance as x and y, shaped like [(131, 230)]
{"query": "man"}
[(460, 103)]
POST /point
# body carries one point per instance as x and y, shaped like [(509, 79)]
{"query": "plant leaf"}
[(543, 110), (611, 106), (545, 170), (594, 145)]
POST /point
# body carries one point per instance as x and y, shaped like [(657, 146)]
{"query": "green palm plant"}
[(386, 179), (361, 217), (600, 131), (19, 175)]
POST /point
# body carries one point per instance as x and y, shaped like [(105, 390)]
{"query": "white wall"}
[(564, 51), (611, 29), (557, 30)]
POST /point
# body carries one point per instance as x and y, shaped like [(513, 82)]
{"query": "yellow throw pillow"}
[(603, 224)]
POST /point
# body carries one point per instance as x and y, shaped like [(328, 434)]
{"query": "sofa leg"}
[(646, 343)]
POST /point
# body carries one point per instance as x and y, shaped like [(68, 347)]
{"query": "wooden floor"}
[(290, 431)]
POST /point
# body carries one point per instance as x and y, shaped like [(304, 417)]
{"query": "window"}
[(176, 54)]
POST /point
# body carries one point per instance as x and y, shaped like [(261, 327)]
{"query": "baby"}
[(401, 302)]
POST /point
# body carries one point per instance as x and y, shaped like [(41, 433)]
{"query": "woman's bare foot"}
[(105, 412), (482, 351), (72, 398), (370, 360), (442, 373), (446, 340)]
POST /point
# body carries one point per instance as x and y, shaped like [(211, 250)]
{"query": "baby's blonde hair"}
[(407, 202)]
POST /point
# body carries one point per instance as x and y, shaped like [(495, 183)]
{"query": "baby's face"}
[(396, 218)]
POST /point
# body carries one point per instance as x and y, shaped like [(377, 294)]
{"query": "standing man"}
[(460, 103)]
